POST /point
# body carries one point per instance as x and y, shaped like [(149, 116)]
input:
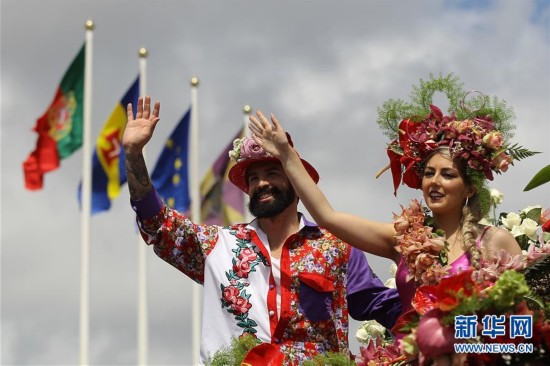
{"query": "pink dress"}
[(407, 289)]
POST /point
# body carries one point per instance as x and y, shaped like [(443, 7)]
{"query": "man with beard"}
[(281, 278)]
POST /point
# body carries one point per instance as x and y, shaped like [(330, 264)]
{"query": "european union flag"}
[(170, 176)]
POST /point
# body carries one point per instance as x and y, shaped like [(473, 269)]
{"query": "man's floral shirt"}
[(239, 295)]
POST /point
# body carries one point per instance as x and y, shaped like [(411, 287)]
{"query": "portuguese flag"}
[(60, 127)]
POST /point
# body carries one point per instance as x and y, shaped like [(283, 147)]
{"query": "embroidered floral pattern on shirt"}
[(234, 297)]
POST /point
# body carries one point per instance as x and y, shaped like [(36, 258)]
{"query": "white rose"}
[(511, 220), (516, 231), (361, 335), (496, 196), (390, 283), (370, 329), (529, 228), (393, 269)]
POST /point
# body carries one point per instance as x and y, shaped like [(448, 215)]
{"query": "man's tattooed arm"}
[(139, 182)]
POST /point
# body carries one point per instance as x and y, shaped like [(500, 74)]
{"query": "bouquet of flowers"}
[(469, 320)]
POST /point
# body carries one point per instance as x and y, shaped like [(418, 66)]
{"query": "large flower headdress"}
[(476, 132)]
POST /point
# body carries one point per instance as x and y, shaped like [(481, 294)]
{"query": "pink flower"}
[(493, 140), (248, 254), (502, 162), (534, 252), (242, 233), (230, 294), (464, 126), (432, 337), (240, 305), (401, 224), (251, 150), (242, 268), (376, 353)]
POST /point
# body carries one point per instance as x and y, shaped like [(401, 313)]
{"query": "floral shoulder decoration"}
[(424, 248)]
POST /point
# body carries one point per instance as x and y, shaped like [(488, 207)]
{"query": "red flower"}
[(248, 255), (230, 294), (241, 305), (242, 233), (242, 268), (445, 295)]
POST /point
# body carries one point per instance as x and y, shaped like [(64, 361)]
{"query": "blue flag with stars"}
[(170, 176)]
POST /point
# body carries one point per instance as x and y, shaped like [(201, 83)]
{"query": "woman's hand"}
[(270, 136)]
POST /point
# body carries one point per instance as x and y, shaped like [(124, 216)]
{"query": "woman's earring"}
[(466, 204)]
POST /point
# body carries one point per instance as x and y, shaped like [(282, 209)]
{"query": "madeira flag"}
[(222, 202), (170, 176), (108, 172), (60, 127)]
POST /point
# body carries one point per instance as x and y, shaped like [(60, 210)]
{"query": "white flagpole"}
[(195, 211), (247, 110), (143, 321), (86, 199)]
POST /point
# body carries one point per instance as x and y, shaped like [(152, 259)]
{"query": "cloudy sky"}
[(322, 66)]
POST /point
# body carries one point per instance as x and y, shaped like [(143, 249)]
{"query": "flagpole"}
[(86, 200), (143, 321), (247, 110), (195, 211)]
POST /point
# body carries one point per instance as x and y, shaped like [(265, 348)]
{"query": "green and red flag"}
[(60, 127)]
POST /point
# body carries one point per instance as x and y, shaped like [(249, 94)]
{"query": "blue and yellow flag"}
[(170, 176), (108, 171)]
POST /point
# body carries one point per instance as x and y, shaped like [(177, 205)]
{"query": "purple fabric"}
[(148, 206), (315, 304), (367, 296)]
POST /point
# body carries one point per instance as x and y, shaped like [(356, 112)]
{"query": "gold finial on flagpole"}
[(89, 25), (247, 109), (194, 81), (143, 52)]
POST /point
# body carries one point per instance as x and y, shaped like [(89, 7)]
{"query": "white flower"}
[(361, 335), (236, 152), (516, 231), (511, 220), (496, 196), (390, 283), (529, 228), (393, 269), (370, 329)]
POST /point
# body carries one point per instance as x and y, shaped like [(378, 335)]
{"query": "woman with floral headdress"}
[(449, 158)]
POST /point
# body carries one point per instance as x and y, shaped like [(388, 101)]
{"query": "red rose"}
[(241, 305), (248, 255), (230, 293), (241, 268)]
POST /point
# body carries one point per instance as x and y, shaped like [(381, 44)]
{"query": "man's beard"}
[(281, 200)]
